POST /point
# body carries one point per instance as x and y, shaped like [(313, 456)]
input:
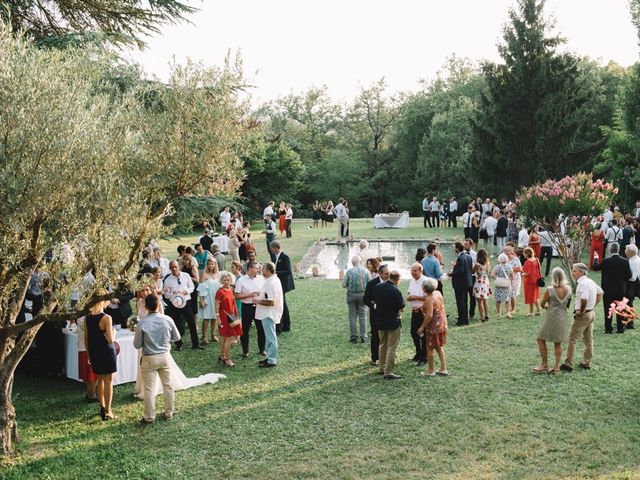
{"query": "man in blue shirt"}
[(431, 265)]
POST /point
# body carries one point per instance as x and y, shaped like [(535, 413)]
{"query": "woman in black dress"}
[(317, 214), (99, 337)]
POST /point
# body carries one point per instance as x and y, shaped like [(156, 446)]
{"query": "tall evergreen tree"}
[(534, 108)]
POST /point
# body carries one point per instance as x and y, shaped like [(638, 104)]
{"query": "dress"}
[(597, 245), (531, 289), (208, 290), (555, 327), (482, 288), (516, 280), (503, 293), (316, 213), (227, 305), (534, 243), (282, 220), (438, 327), (101, 354)]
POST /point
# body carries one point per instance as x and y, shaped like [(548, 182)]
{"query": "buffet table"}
[(223, 242), (127, 360), (391, 220)]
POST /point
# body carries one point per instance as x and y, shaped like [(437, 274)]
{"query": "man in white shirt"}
[(633, 285), (247, 287), (490, 223), (159, 261), (434, 207), (588, 294), (415, 297), (268, 210), (467, 220), (636, 211), (425, 210), (453, 213), (613, 234), (225, 218), (342, 216), (269, 307), (288, 219), (177, 288)]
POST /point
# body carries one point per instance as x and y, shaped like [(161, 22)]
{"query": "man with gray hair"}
[(220, 258), (269, 307), (355, 281), (615, 275), (588, 294), (633, 285)]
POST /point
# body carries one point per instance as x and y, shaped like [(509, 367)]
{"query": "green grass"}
[(324, 413)]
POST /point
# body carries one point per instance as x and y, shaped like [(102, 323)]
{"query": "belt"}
[(153, 354), (575, 312)]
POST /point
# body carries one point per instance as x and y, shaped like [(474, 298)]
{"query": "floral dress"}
[(503, 293), (482, 288)]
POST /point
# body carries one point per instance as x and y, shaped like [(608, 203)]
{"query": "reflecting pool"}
[(398, 255)]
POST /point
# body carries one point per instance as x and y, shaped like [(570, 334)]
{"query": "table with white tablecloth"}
[(127, 360), (391, 220), (223, 242)]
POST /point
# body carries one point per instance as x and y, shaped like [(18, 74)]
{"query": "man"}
[(453, 213), (502, 226), (415, 296), (426, 212), (269, 232), (177, 288), (546, 250), (614, 234), (219, 257), (616, 272), (206, 241), (389, 306), (225, 218), (120, 309), (383, 276), (251, 257), (487, 209), (154, 335), (627, 233), (269, 306), (285, 274), (588, 294), (633, 285), (269, 211), (247, 287), (434, 207), (523, 241), (636, 211), (288, 219), (431, 266), (201, 255), (355, 281), (158, 260), (342, 216), (467, 220), (462, 280), (468, 247)]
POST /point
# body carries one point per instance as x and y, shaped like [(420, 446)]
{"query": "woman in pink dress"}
[(434, 327), (226, 307)]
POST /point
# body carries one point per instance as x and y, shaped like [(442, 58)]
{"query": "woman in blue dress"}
[(207, 289)]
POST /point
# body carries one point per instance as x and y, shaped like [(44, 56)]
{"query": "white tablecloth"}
[(127, 361), (391, 220), (223, 242)]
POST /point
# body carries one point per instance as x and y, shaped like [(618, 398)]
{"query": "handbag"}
[(540, 281), (502, 282), (483, 234), (233, 320)]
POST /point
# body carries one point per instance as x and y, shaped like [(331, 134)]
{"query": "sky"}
[(291, 45)]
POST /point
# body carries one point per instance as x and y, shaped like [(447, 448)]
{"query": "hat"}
[(178, 301)]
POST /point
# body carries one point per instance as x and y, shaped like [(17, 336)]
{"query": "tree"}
[(535, 106), (64, 22), (90, 171), (565, 208)]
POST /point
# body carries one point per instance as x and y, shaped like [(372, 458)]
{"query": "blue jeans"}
[(271, 340)]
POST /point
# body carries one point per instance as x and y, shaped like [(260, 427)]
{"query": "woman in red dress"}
[(282, 218), (597, 244), (534, 241), (225, 306), (531, 274)]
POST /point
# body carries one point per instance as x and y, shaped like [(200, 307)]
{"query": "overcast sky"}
[(291, 45)]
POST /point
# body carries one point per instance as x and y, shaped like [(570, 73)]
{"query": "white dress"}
[(179, 380)]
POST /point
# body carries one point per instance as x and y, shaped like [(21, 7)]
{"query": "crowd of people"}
[(324, 214)]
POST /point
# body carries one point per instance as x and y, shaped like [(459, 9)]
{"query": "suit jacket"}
[(284, 272), (388, 303), (462, 275), (615, 273), (368, 292)]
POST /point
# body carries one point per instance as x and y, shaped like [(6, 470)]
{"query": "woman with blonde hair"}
[(99, 337), (516, 280), (555, 328), (207, 290), (226, 313), (502, 275), (434, 327)]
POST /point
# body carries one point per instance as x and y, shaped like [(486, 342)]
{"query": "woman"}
[(482, 288), (207, 290), (420, 254), (242, 248), (531, 274), (329, 212), (372, 266), (597, 244), (282, 218), (99, 337), (234, 245), (85, 372), (516, 280), (434, 326), (512, 228), (316, 214), (225, 306), (157, 281), (323, 214), (555, 328), (534, 241), (502, 276)]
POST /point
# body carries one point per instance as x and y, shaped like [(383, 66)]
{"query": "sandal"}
[(544, 369), (204, 341), (554, 371), (229, 363), (215, 339)]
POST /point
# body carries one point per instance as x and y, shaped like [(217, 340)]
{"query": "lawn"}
[(324, 413)]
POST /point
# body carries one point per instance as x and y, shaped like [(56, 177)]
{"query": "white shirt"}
[(340, 211), (523, 238), (545, 240), (415, 288), (474, 255), (163, 263), (434, 206), (180, 283), (490, 224), (425, 205), (634, 263), (289, 215), (467, 219), (453, 207), (246, 284), (607, 216), (614, 234), (225, 218), (267, 211), (271, 290), (589, 290)]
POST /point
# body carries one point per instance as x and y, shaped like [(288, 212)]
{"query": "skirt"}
[(84, 368)]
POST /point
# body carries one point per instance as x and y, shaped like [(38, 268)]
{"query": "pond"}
[(398, 255)]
